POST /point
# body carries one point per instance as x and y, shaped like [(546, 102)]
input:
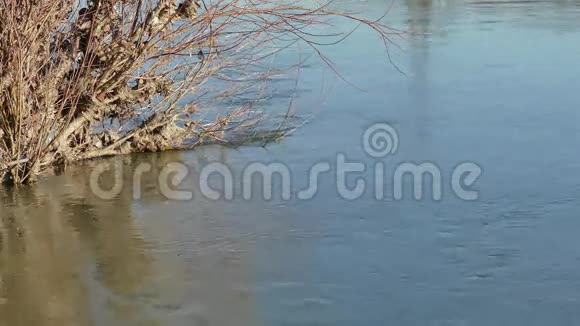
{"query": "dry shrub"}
[(85, 79)]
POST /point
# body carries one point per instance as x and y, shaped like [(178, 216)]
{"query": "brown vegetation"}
[(85, 79)]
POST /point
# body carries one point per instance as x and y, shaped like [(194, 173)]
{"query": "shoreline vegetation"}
[(86, 79)]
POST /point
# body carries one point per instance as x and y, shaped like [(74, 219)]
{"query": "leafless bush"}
[(85, 79)]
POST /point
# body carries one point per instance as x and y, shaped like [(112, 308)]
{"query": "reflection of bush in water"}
[(56, 241)]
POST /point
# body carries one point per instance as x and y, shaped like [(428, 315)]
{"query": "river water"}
[(494, 83)]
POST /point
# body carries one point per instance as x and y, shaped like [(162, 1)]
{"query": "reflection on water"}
[(62, 250), (488, 81), (69, 258)]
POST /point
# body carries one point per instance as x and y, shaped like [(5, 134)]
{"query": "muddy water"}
[(490, 82)]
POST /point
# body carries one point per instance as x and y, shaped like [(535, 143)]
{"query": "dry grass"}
[(82, 80)]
